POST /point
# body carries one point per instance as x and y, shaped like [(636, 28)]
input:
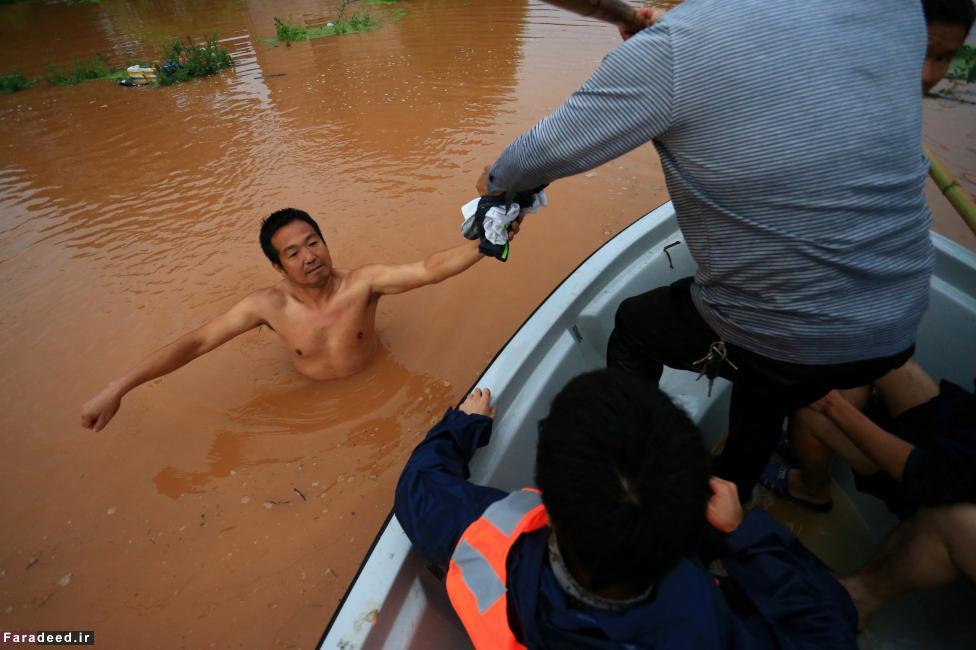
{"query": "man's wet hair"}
[(951, 12), (278, 220), (624, 477)]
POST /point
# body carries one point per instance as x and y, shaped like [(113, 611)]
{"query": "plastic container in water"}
[(137, 75)]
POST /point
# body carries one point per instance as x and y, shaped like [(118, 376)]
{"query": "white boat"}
[(397, 601)]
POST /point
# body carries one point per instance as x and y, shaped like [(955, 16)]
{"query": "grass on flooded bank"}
[(95, 68), (181, 62), (288, 32), (15, 80)]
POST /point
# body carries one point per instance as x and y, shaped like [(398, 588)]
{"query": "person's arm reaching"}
[(386, 279), (626, 103), (434, 502), (617, 12), (243, 316)]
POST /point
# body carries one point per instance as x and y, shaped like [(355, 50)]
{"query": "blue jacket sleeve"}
[(800, 602), (434, 501)]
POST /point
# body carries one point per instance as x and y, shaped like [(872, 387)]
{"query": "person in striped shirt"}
[(790, 137)]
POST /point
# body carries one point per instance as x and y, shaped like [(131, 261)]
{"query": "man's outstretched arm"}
[(385, 279), (243, 316)]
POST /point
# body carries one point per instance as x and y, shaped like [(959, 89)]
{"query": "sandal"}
[(775, 479)]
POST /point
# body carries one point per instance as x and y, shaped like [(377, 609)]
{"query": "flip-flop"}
[(774, 478)]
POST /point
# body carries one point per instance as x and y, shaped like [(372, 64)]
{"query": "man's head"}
[(624, 476), (948, 23), (293, 242)]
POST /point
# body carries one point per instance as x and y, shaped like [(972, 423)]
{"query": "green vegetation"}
[(95, 68), (186, 61), (355, 23), (13, 81), (182, 61), (288, 32), (963, 67)]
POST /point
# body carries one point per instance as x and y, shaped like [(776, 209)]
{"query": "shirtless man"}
[(324, 314)]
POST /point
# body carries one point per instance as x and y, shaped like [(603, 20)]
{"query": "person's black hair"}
[(277, 220), (624, 477), (951, 12)]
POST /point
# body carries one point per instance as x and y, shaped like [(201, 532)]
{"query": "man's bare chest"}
[(321, 329)]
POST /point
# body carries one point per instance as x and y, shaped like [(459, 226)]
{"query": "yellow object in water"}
[(141, 75)]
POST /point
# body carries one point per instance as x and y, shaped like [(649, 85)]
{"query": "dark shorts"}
[(912, 426), (940, 427), (664, 328)]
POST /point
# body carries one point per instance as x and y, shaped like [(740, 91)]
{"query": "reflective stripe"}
[(506, 513), (478, 576)]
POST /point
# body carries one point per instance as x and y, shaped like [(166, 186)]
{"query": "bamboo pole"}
[(962, 202)]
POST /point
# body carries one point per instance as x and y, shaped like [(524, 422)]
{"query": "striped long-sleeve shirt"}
[(790, 136)]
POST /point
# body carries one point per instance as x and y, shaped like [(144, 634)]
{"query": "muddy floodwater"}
[(229, 504)]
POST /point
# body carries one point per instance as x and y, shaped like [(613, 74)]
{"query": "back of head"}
[(277, 220), (950, 12), (624, 476)]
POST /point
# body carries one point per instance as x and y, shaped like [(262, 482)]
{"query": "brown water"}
[(230, 503)]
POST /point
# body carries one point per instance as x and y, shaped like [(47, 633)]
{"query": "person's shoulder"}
[(361, 277), (261, 300)]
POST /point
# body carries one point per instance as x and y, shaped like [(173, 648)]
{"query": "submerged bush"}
[(288, 32), (13, 81), (184, 61), (356, 23)]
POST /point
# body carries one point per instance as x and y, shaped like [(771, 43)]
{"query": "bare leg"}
[(906, 387), (815, 439), (929, 549)]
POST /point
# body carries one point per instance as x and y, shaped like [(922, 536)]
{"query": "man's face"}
[(304, 256), (945, 39)]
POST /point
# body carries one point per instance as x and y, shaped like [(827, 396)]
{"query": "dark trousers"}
[(663, 328)]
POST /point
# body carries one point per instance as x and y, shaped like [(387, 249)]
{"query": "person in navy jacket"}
[(627, 542)]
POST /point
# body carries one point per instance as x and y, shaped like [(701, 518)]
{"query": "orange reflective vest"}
[(476, 577)]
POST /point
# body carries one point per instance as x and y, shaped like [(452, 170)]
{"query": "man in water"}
[(325, 315)]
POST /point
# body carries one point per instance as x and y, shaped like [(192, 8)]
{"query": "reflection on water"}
[(374, 412)]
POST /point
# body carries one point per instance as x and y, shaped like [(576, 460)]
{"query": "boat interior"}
[(397, 601)]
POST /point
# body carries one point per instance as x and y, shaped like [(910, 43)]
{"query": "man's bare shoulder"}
[(266, 300), (358, 278)]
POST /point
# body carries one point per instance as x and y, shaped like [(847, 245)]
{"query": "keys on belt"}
[(711, 363)]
